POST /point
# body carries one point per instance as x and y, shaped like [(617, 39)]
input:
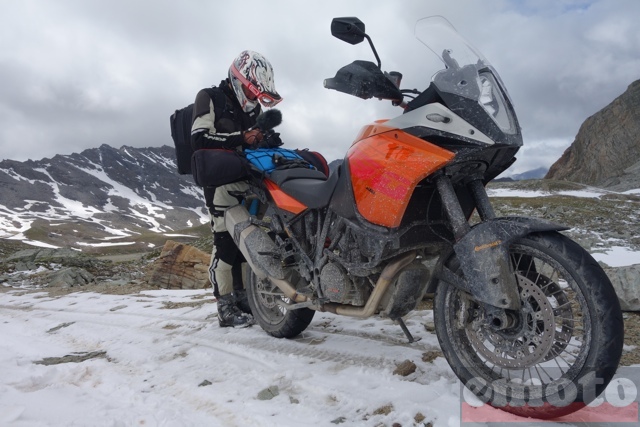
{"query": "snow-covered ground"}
[(160, 359)]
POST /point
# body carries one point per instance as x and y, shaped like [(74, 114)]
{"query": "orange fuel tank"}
[(386, 164)]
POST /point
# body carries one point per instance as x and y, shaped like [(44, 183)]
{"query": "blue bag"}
[(264, 159)]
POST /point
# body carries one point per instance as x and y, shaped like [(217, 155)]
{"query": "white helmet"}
[(254, 72)]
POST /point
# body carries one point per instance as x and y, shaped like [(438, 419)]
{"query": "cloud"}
[(79, 74)]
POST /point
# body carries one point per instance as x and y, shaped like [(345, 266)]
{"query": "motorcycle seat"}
[(314, 190), (280, 176)]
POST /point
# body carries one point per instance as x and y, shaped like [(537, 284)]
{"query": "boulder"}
[(70, 277), (180, 266), (626, 282)]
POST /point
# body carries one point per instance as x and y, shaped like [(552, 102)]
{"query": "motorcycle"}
[(525, 317)]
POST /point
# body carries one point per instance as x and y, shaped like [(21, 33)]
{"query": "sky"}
[(158, 358), (76, 74)]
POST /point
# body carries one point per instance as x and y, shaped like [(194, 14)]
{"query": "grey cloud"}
[(77, 74)]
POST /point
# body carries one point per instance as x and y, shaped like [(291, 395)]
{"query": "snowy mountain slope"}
[(106, 194)]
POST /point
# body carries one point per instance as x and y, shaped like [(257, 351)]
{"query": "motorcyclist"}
[(250, 83)]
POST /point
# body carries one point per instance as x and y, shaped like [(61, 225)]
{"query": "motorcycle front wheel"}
[(559, 351), (265, 300)]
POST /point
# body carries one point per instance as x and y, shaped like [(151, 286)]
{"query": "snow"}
[(36, 243), (618, 256), (105, 244), (508, 192), (156, 360), (152, 208), (159, 358)]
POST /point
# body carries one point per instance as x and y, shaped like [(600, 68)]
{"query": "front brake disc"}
[(526, 345)]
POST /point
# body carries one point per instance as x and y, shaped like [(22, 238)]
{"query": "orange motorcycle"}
[(522, 312)]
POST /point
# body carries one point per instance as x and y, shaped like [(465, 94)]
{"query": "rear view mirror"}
[(350, 29)]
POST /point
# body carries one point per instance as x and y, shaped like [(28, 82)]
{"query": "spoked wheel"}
[(560, 349), (266, 301)]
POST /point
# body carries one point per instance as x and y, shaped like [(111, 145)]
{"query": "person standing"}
[(249, 84)]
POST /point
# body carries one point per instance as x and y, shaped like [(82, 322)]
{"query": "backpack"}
[(181, 122)]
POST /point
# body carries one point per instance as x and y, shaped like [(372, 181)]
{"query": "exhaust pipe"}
[(259, 250)]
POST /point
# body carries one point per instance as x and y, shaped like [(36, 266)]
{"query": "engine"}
[(339, 287)]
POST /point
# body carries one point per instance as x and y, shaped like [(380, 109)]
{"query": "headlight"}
[(492, 100)]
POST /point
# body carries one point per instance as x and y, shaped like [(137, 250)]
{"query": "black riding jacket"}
[(223, 130), (214, 129)]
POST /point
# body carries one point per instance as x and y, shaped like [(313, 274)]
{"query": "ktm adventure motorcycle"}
[(525, 317)]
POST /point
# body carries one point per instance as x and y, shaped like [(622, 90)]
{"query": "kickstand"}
[(406, 331)]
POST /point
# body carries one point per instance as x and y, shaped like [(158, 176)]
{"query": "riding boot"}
[(242, 301), (230, 315)]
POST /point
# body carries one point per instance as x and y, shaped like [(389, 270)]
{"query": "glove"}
[(253, 137), (271, 140)]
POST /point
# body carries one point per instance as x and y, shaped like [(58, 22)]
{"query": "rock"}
[(180, 266), (269, 393), (606, 150), (626, 282), (384, 410), (431, 355), (65, 278), (405, 368), (72, 358), (429, 326)]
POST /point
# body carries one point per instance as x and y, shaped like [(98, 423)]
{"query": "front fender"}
[(483, 254)]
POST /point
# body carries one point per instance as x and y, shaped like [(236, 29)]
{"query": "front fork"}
[(483, 250)]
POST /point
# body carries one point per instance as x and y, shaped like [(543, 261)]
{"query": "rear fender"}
[(483, 254)]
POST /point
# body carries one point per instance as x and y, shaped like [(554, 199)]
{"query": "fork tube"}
[(452, 207), (479, 193)]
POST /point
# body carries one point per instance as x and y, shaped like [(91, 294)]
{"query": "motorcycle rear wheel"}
[(275, 319), (565, 343)]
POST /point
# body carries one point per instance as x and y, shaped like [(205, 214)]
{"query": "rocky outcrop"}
[(67, 278), (63, 268), (180, 266), (627, 180), (31, 259), (606, 151), (626, 281)]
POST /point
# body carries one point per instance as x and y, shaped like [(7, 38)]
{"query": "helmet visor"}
[(267, 99)]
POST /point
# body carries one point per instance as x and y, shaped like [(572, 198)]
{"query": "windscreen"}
[(466, 72)]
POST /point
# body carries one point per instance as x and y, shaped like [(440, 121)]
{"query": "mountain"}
[(606, 151), (531, 174), (100, 197)]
